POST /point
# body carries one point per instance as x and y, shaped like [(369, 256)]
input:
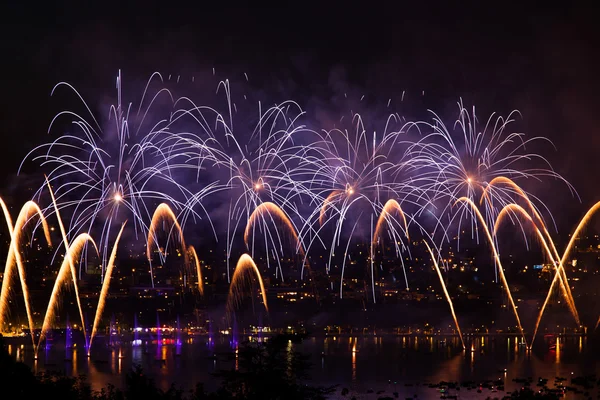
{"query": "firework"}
[(267, 167), (389, 207), (270, 176), (14, 257), (244, 270), (61, 280), (472, 159), (105, 286), (268, 212), (69, 259), (496, 258), (558, 267), (557, 277), (354, 172), (194, 255), (164, 213), (448, 298), (97, 171)]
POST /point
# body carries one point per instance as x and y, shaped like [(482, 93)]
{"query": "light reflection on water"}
[(359, 363)]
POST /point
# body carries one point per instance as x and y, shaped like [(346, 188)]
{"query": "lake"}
[(402, 364)]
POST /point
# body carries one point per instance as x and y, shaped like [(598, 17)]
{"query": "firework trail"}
[(69, 257), (570, 302), (448, 298), (105, 285), (164, 213), (496, 258), (327, 202), (539, 224), (244, 270), (61, 280), (517, 209), (386, 219), (28, 210), (386, 213), (268, 212), (194, 255), (582, 223)]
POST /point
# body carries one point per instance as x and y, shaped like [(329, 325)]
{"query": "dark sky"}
[(541, 62)]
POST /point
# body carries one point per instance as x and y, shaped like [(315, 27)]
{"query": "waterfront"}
[(365, 365)]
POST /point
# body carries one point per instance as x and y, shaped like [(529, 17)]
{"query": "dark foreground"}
[(269, 370)]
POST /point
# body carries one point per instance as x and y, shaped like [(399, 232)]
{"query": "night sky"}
[(541, 62)]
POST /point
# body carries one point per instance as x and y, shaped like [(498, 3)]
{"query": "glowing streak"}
[(588, 215), (560, 267), (525, 197), (245, 263), (328, 200), (61, 279), (192, 251), (105, 286), (563, 283), (69, 260), (272, 210), (521, 210), (448, 298), (387, 210), (517, 208), (163, 212), (513, 185), (497, 258), (14, 257)]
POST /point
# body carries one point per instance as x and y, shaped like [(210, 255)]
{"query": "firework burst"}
[(356, 175), (266, 167), (481, 162), (102, 175), (463, 161)]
